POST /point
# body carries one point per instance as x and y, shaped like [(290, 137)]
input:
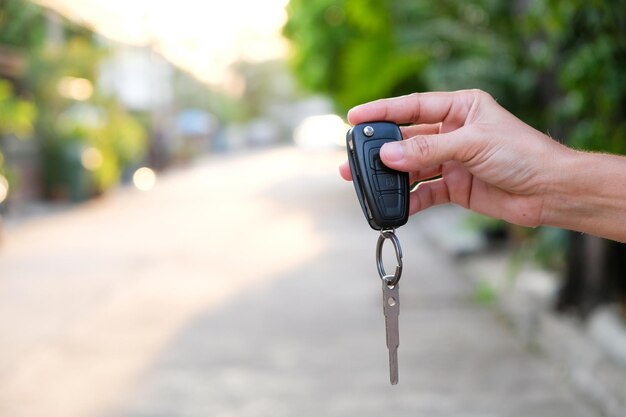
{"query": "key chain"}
[(383, 194)]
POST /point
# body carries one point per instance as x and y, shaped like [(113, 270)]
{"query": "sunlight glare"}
[(205, 38), (320, 132)]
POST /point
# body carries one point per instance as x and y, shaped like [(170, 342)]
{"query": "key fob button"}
[(391, 205), (375, 161), (387, 182)]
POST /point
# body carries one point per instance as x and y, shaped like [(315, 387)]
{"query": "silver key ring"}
[(385, 234)]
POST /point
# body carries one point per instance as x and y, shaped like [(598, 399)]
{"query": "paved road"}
[(245, 286)]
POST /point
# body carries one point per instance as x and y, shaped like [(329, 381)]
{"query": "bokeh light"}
[(79, 89), (144, 179), (91, 158), (4, 188)]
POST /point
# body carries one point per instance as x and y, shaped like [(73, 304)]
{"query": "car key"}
[(391, 308), (383, 192), (391, 300)]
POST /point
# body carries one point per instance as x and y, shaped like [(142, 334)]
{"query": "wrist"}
[(563, 206), (588, 194)]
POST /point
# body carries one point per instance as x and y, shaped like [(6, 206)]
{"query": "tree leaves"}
[(558, 65)]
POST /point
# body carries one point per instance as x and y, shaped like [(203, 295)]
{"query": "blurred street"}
[(245, 286)]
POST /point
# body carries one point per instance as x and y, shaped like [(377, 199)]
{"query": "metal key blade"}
[(391, 308)]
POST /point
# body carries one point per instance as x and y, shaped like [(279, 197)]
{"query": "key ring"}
[(385, 234)]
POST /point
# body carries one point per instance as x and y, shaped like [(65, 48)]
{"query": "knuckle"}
[(477, 91), (481, 95), (422, 149)]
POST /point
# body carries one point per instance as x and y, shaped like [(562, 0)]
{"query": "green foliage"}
[(16, 115), (475, 221), (548, 248), (358, 51), (65, 128), (22, 23), (484, 293), (588, 43), (343, 46), (558, 65), (16, 118), (105, 128), (122, 141)]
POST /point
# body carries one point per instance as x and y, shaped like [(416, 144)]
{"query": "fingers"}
[(344, 171), (423, 152), (407, 132), (424, 174), (421, 175), (428, 194), (423, 129), (449, 107)]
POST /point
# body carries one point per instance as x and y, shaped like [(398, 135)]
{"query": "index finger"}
[(449, 108)]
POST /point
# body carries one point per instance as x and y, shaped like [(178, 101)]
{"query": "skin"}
[(493, 163)]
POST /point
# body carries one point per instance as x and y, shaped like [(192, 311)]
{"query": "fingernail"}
[(392, 151)]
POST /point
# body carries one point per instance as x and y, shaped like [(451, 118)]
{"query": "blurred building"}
[(140, 78), (142, 81)]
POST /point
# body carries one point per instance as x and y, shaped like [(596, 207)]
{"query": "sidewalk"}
[(590, 355), (247, 287)]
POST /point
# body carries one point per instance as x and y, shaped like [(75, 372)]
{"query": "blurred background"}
[(175, 238)]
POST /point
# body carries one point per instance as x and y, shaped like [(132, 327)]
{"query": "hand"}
[(488, 160)]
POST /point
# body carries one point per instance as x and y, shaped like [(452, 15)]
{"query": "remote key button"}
[(391, 205), (375, 162), (387, 182)]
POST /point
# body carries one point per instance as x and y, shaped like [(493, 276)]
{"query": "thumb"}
[(425, 151)]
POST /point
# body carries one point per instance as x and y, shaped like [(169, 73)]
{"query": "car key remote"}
[(384, 197), (382, 192)]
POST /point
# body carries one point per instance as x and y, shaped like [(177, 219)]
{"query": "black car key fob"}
[(383, 192)]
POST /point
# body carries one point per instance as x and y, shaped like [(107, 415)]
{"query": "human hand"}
[(488, 160)]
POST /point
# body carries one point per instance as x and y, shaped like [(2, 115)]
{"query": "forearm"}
[(588, 195)]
